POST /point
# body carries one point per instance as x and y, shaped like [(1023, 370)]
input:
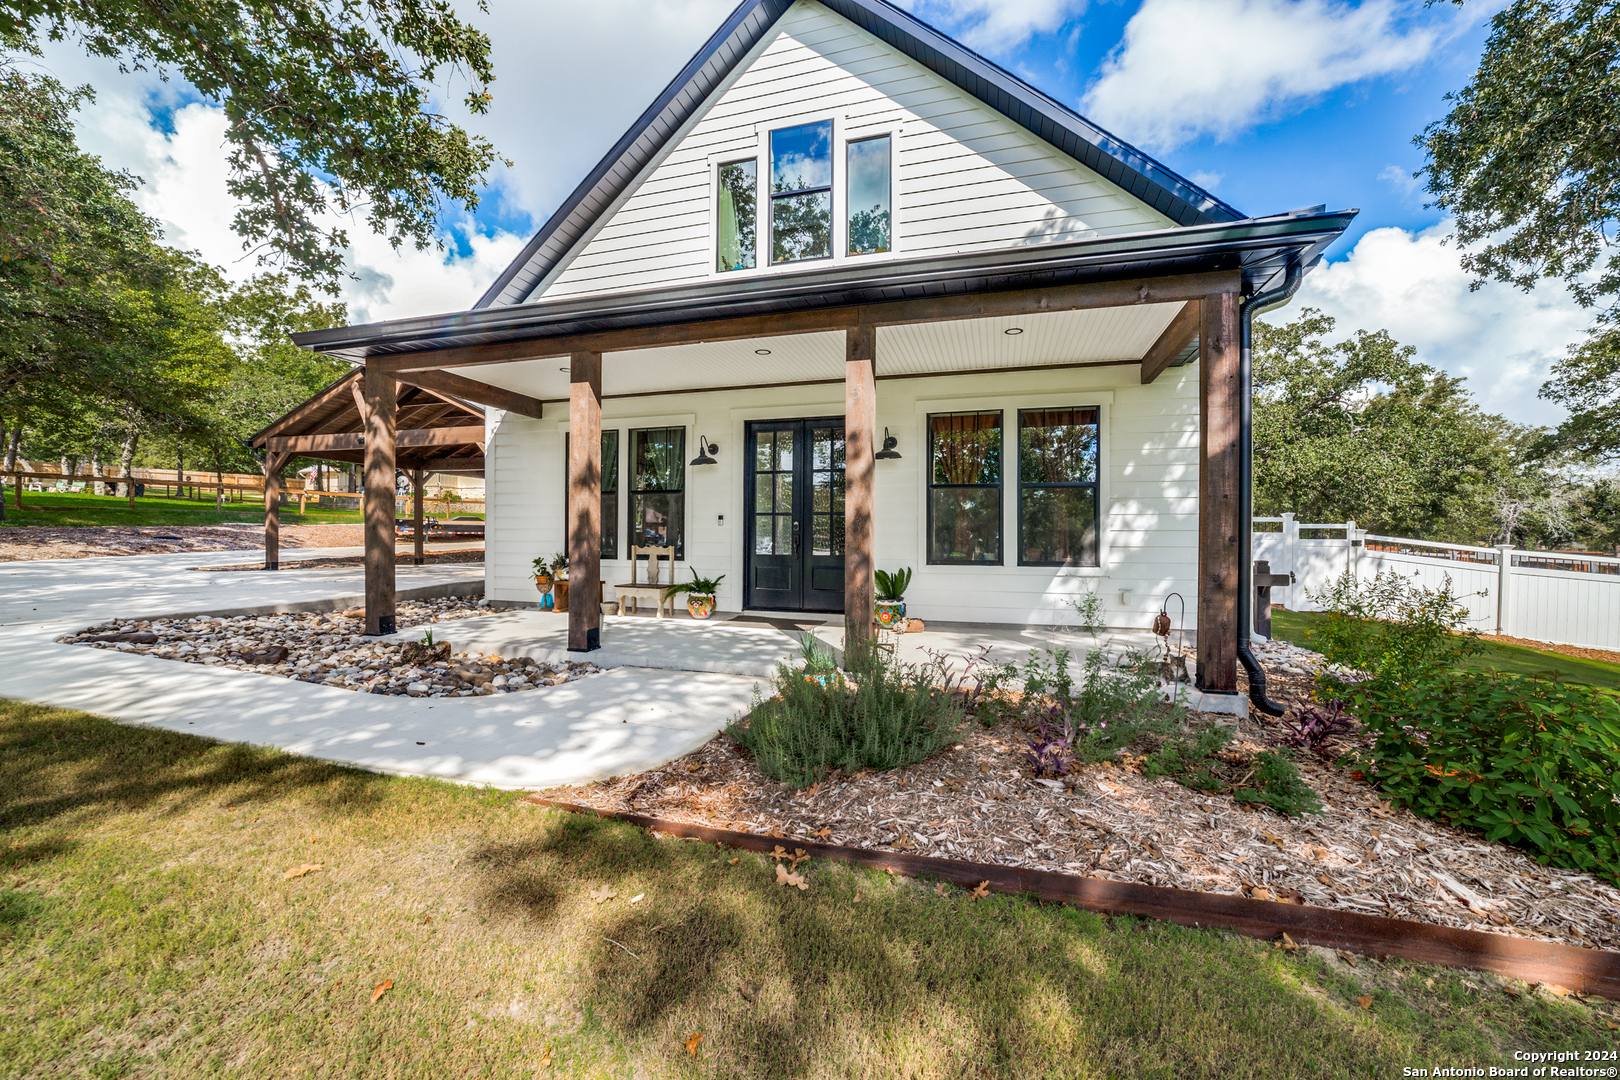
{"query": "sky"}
[(1271, 104)]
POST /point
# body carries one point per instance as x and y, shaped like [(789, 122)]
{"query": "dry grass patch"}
[(148, 928)]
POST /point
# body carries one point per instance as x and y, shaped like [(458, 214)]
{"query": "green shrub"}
[(1530, 761), (883, 716), (1203, 763)]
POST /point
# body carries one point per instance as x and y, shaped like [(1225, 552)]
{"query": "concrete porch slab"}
[(674, 644)]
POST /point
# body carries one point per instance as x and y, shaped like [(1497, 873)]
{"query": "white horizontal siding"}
[(1149, 504), (966, 177)]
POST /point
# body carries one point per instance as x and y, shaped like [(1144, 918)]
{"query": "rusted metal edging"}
[(1585, 971)]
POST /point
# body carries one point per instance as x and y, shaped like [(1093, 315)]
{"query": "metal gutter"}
[(1259, 248)]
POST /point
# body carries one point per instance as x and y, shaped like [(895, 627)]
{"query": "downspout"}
[(1257, 304)]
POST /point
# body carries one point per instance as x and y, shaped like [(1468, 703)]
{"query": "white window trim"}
[(843, 134)]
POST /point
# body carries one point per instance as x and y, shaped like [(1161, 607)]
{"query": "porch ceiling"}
[(1088, 336)]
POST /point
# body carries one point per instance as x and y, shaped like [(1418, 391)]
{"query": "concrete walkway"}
[(625, 720)]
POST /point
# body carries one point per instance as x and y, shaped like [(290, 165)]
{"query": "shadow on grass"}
[(59, 764)]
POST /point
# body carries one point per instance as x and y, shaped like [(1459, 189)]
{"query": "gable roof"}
[(1112, 158)]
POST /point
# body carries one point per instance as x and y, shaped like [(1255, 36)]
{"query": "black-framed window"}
[(801, 192), (964, 487), (1057, 487), (868, 194), (658, 488), (737, 215), (610, 493)]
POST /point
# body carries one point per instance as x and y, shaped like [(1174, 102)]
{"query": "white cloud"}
[(1401, 180), (1208, 180), (995, 26), (1411, 284), (1188, 68)]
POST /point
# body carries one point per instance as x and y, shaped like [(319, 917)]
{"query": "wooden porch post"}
[(1220, 398), (860, 443), (416, 514), (584, 501), (273, 464), (382, 395)]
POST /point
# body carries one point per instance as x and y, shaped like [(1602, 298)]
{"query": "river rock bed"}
[(329, 648)]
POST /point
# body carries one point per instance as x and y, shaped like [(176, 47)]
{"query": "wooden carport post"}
[(378, 422), (1220, 399), (584, 501), (273, 464), (416, 516), (860, 443)]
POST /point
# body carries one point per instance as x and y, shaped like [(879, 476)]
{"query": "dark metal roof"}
[(1173, 195), (1260, 248)]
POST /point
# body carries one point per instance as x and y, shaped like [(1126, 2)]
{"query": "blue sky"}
[(1274, 104)]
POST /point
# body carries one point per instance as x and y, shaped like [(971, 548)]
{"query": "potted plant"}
[(559, 580), (542, 581), (699, 594), (891, 597)]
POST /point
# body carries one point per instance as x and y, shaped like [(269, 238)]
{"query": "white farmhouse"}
[(849, 296)]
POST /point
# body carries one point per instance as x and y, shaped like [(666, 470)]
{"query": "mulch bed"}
[(1566, 650), (330, 649), (25, 542), (979, 802), (429, 558)]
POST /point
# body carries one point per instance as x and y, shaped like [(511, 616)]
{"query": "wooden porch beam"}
[(356, 440), (274, 463), (1176, 337), (381, 395), (479, 393), (1220, 399), (895, 313), (585, 502), (451, 464), (860, 444)]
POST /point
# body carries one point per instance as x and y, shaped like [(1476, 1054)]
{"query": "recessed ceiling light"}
[(762, 352), (1013, 331)]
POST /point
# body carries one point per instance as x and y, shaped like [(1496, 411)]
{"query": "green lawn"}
[(1295, 626), (89, 509), (147, 928)]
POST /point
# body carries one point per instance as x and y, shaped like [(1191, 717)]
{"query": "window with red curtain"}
[(1057, 487), (964, 488)]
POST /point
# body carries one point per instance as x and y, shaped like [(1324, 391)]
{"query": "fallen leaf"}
[(1272, 838), (382, 988), (857, 896), (783, 877), (798, 857), (1512, 991), (427, 919), (1555, 991), (734, 861), (638, 898), (939, 888), (1349, 958), (1429, 983), (1286, 944), (1612, 1025), (980, 891), (1364, 1001), (603, 894), (1261, 894), (779, 853), (822, 833), (749, 991), (300, 871), (692, 1041), (1324, 879), (545, 1058), (312, 838)]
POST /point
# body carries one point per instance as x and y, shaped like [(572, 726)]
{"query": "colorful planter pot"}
[(891, 613), (699, 605), (544, 585)]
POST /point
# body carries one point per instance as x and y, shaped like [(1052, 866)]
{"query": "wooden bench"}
[(631, 594)]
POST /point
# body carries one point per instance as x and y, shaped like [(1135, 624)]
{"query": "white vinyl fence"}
[(1538, 595)]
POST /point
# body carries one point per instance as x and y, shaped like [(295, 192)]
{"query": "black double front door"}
[(794, 527)]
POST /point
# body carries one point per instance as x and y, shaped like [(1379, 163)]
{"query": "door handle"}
[(795, 539)]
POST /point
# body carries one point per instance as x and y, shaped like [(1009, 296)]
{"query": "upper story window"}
[(867, 177), (801, 192), (735, 239)]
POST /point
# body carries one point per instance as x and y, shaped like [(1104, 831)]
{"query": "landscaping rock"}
[(270, 654)]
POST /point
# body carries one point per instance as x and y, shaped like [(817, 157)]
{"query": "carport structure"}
[(428, 431)]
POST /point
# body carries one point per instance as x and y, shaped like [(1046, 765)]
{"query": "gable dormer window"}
[(735, 240), (801, 192)]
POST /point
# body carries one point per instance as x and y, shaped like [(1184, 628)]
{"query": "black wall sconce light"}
[(706, 452), (888, 453)]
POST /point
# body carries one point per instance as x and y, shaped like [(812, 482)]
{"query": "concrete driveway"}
[(625, 720)]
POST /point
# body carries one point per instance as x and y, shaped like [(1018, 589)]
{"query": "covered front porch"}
[(977, 322)]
